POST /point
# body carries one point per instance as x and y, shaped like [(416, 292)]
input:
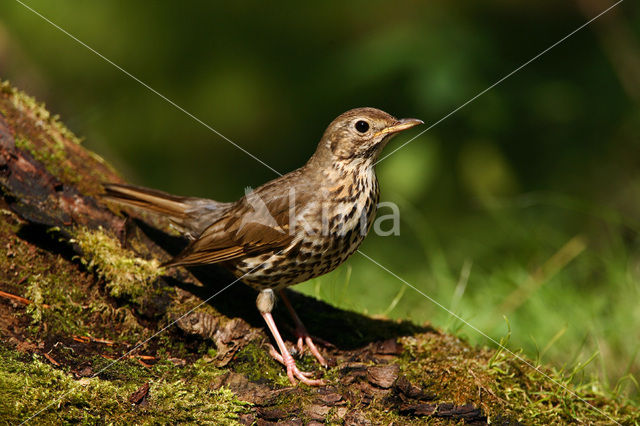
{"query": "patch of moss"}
[(29, 106), (124, 272), (180, 401), (52, 284), (43, 135), (504, 386), (52, 156), (34, 293), (54, 303), (120, 321), (30, 387), (552, 396), (122, 370), (255, 362)]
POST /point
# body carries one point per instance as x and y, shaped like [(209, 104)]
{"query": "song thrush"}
[(294, 228)]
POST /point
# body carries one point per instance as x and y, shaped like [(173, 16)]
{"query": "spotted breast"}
[(328, 229)]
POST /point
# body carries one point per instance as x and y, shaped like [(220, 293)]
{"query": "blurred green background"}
[(525, 204)]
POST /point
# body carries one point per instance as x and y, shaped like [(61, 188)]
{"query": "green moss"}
[(180, 401), (52, 156), (31, 387), (121, 371), (34, 293), (63, 309), (552, 396), (504, 386), (120, 321), (29, 106), (51, 133), (124, 273), (66, 300), (255, 362), (41, 134), (53, 285)]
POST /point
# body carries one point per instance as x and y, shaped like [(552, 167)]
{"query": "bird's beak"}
[(400, 125)]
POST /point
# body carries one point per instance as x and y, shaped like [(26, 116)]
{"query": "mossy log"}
[(93, 330)]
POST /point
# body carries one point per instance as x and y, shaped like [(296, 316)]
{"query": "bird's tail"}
[(190, 214), (147, 199)]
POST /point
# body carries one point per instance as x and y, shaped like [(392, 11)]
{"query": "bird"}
[(296, 227)]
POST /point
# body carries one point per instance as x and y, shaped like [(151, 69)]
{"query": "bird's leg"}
[(265, 302), (301, 332)]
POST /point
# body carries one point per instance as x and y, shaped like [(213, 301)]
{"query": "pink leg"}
[(302, 333), (285, 357)]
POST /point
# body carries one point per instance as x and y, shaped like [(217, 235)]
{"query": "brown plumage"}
[(293, 228)]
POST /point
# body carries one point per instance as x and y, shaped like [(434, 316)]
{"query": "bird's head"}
[(360, 134)]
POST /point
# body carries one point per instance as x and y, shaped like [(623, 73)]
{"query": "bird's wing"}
[(258, 222)]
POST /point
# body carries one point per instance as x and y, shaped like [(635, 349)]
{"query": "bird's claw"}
[(292, 370), (303, 376), (304, 337)]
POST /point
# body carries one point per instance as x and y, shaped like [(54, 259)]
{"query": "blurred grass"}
[(524, 203), (567, 297)]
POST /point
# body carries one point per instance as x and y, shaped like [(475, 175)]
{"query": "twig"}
[(19, 299), (89, 339), (51, 360)]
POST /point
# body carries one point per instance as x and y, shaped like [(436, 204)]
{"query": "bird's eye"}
[(362, 126)]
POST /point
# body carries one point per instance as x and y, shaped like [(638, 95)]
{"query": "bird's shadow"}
[(346, 330)]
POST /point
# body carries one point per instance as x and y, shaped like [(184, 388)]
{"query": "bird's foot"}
[(304, 338), (293, 372), (303, 335)]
